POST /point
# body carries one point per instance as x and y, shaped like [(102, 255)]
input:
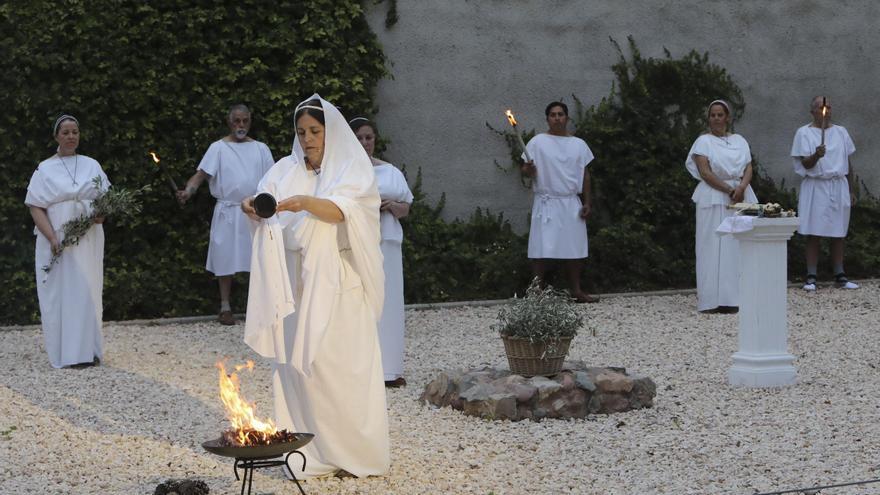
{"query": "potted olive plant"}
[(537, 330)]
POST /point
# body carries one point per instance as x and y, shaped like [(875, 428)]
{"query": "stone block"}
[(611, 381)]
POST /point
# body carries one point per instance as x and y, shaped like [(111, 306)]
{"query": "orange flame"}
[(510, 118), (823, 110), (155, 158), (247, 427)]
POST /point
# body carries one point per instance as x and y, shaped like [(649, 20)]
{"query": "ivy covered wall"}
[(159, 75)]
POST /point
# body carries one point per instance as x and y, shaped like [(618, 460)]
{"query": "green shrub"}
[(543, 315), (144, 76), (642, 228), (480, 258)]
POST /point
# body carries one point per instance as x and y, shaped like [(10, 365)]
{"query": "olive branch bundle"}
[(112, 202)]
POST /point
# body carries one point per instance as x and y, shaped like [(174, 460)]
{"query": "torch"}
[(824, 110), (522, 144), (170, 180)]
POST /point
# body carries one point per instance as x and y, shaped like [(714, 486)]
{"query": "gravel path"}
[(140, 418)]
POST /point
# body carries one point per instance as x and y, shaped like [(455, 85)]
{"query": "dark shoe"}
[(583, 297), (342, 473), (841, 282), (226, 318), (79, 366), (810, 283), (396, 383), (728, 310)]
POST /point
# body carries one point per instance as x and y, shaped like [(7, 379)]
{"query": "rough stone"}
[(614, 382), (577, 391)]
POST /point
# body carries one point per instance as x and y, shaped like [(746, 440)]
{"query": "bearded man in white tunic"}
[(233, 167), (70, 294), (826, 193), (722, 162), (561, 205), (316, 295)]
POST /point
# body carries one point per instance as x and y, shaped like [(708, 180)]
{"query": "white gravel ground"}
[(140, 418)]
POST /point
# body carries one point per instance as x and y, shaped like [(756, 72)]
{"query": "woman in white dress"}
[(722, 162), (396, 200), (60, 190), (316, 294)]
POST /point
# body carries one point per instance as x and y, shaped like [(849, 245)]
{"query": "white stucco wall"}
[(458, 64)]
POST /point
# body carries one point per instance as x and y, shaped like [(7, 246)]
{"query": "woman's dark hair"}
[(307, 107), (556, 104), (358, 122)]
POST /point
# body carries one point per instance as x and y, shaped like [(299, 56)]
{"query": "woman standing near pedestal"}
[(62, 189), (722, 162), (396, 200)]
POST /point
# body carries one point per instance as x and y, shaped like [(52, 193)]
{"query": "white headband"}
[(718, 102), (352, 121), (62, 119)]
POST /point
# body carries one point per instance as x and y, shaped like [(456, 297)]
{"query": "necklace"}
[(317, 171), (75, 167)]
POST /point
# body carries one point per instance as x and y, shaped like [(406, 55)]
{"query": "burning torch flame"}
[(248, 428), (510, 118), (155, 158)]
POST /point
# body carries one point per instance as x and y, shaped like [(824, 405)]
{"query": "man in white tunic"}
[(826, 192), (561, 205), (233, 167)]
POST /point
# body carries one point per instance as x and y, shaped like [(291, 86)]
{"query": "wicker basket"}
[(535, 359)]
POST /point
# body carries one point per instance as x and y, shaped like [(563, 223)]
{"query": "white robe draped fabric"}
[(70, 294), (557, 231), (235, 169), (823, 202), (327, 376), (717, 255), (392, 186)]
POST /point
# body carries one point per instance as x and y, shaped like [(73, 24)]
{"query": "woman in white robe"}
[(318, 324), (60, 190), (722, 162), (396, 200)]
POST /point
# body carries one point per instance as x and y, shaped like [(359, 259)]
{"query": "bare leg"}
[(837, 254), (539, 270), (813, 252), (225, 283), (226, 317), (573, 269)]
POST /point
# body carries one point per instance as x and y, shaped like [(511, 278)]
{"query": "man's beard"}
[(241, 133)]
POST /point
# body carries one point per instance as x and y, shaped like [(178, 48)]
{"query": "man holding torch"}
[(233, 167), (557, 163), (821, 152)]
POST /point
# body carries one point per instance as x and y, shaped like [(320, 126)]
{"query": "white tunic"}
[(557, 230), (824, 201), (392, 186), (235, 169), (717, 256), (70, 294), (327, 363)]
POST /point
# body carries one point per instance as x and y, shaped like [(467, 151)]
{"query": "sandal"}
[(396, 383), (226, 318), (583, 297)]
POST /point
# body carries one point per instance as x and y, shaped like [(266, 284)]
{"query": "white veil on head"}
[(345, 162), (348, 180)]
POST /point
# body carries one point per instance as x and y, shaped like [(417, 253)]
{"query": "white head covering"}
[(348, 180)]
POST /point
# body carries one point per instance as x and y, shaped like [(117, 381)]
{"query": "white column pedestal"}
[(763, 359)]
